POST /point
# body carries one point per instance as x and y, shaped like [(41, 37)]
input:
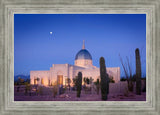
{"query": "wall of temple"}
[(70, 71), (115, 72), (42, 75)]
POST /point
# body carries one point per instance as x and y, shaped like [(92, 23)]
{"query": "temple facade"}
[(58, 73)]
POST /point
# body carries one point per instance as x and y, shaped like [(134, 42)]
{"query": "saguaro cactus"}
[(138, 72), (104, 79), (79, 84)]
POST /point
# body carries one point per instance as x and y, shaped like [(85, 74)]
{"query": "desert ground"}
[(46, 94)]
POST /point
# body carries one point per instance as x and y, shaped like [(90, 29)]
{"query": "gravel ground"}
[(71, 96)]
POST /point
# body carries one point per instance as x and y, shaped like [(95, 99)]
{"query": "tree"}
[(91, 80), (88, 80), (37, 79), (19, 83), (75, 81), (68, 81), (104, 80), (54, 88), (97, 85)]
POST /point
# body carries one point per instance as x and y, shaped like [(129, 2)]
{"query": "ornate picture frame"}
[(7, 10)]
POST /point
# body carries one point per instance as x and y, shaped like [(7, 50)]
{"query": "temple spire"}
[(83, 47)]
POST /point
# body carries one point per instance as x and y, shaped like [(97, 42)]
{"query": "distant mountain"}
[(25, 77)]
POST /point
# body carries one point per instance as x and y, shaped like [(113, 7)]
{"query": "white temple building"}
[(59, 72)]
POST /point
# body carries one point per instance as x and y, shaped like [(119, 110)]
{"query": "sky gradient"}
[(106, 35)]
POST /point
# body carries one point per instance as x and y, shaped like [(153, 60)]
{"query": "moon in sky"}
[(51, 33)]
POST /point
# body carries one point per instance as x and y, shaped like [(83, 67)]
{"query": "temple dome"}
[(83, 58), (83, 54)]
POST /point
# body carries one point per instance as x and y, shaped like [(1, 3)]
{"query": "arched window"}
[(49, 82), (35, 81), (42, 81)]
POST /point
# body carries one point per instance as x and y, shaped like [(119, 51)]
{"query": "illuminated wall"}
[(70, 71)]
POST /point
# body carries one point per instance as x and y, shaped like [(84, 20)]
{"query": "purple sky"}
[(106, 35)]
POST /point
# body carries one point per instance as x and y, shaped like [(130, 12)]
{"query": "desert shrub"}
[(55, 90), (123, 79), (40, 90), (126, 92), (111, 80)]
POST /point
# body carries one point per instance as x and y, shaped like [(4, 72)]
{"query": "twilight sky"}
[(106, 35)]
